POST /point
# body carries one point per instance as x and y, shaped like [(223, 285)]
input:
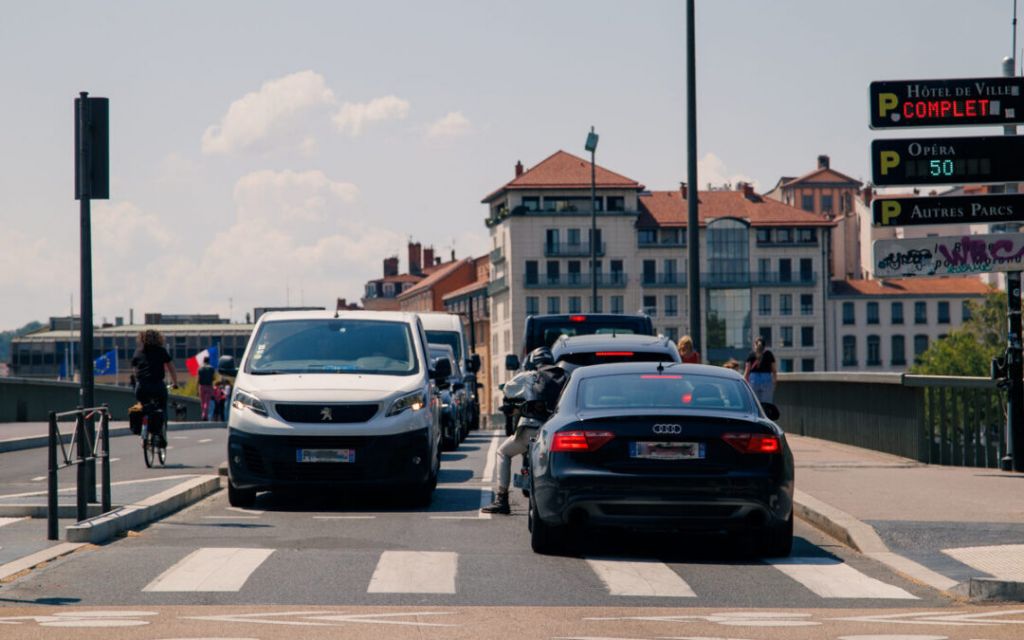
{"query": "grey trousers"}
[(514, 445)]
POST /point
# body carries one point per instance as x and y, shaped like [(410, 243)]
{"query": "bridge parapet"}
[(31, 400)]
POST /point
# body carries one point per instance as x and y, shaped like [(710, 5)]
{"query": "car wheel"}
[(778, 543), (545, 539), (242, 498), (449, 441)]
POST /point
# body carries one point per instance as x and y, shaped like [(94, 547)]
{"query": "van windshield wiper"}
[(267, 372)]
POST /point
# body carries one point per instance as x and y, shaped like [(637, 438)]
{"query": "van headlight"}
[(245, 400), (414, 401)]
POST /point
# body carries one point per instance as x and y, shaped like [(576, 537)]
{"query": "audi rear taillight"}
[(753, 442), (580, 441)]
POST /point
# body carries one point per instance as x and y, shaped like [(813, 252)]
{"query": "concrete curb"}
[(991, 590), (35, 442), (104, 527), (28, 562)]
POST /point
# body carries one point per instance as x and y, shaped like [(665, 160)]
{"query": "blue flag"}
[(106, 365)]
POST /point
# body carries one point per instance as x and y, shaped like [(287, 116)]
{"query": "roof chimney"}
[(823, 162), (748, 190), (391, 266), (453, 255), (415, 258), (519, 168), (866, 194), (428, 256), (682, 190)]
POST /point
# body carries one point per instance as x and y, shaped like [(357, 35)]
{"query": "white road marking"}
[(627, 578), (1005, 562), (344, 517), (38, 478), (414, 572), (255, 512), (179, 437), (485, 499), (113, 484), (204, 440), (492, 460), (211, 569), (319, 619), (115, 459), (230, 517), (6, 521), (829, 578)]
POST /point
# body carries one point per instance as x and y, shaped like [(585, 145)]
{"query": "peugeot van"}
[(335, 401)]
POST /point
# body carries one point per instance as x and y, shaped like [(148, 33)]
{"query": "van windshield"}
[(450, 338), (333, 346)]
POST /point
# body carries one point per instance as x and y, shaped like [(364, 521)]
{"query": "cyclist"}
[(149, 363)]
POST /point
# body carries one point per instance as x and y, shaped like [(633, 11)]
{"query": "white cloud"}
[(258, 116), (712, 170), (452, 125), (353, 117)]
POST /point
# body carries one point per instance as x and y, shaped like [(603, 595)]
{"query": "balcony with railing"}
[(570, 249), (665, 279), (782, 279), (615, 279), (497, 285), (497, 255)]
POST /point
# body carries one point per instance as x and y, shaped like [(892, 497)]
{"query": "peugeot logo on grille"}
[(664, 429), (326, 415)]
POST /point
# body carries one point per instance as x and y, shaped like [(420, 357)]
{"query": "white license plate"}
[(325, 455), (667, 450)]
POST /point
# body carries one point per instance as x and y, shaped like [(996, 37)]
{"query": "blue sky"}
[(265, 153)]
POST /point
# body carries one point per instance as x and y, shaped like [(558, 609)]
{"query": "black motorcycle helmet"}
[(541, 356)]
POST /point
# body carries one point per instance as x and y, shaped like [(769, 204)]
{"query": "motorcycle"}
[(525, 401)]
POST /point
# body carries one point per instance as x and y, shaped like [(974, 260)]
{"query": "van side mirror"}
[(512, 362), (770, 410), (474, 362)]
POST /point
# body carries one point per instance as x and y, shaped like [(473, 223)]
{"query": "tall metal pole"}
[(1014, 458), (86, 366), (593, 229), (692, 224)]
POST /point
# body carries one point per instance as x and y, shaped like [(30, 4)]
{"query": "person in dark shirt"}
[(149, 364), (761, 371), (207, 398)]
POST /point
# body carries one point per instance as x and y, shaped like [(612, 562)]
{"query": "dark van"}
[(543, 331)]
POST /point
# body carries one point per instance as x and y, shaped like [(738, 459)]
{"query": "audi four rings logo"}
[(665, 429)]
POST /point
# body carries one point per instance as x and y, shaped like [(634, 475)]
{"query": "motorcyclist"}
[(534, 394)]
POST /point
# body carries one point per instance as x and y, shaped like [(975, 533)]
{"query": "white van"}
[(334, 399), (446, 328)]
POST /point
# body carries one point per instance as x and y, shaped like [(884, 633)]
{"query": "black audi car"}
[(645, 445)]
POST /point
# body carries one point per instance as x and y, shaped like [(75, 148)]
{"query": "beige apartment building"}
[(761, 261)]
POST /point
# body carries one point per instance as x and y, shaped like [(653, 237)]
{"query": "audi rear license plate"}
[(667, 450), (325, 455)]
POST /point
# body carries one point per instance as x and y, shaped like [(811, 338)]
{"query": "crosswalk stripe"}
[(7, 521), (1005, 562), (414, 572), (626, 578), (831, 578), (211, 569)]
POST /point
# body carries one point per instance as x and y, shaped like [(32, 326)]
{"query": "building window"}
[(646, 236), (787, 336), (575, 304), (807, 236), (785, 270), (786, 365), (531, 272), (849, 351), (784, 236), (943, 312), (554, 304), (651, 305), (599, 305), (874, 351), (848, 313), (671, 305), (672, 333), (764, 304), (764, 236), (554, 272), (806, 270), (899, 350), (806, 336), (965, 310), (766, 335), (532, 305), (807, 364), (785, 304), (616, 203), (728, 323), (728, 251), (531, 203), (872, 313), (826, 204), (897, 313), (574, 272), (807, 202), (920, 345), (806, 304), (573, 238), (650, 271), (618, 305), (920, 313)]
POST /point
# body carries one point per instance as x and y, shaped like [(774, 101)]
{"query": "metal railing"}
[(85, 447), (666, 279), (497, 255), (933, 419), (571, 249), (573, 280), (496, 286)]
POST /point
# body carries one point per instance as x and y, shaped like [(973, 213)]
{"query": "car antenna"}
[(661, 368)]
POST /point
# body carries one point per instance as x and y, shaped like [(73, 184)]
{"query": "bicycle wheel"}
[(148, 448), (161, 453)]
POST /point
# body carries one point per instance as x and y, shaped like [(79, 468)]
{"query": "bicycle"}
[(149, 423)]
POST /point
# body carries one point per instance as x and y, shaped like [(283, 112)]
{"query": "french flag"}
[(196, 361)]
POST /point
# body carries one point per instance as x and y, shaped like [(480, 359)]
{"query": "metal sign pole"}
[(84, 193), (1015, 362)]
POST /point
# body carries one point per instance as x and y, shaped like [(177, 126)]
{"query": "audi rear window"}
[(664, 391)]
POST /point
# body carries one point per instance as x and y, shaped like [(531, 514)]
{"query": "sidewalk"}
[(954, 528)]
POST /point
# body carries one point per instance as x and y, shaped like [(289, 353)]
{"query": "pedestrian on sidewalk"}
[(761, 372), (687, 352), (205, 376)]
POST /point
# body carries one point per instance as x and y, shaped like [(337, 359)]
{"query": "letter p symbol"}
[(886, 103), (890, 209), (888, 160)]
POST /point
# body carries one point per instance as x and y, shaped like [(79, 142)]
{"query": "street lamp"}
[(591, 146)]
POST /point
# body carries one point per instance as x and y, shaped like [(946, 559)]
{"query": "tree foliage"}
[(968, 350), (5, 338)]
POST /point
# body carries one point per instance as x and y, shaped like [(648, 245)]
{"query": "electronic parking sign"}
[(944, 103), (928, 161)]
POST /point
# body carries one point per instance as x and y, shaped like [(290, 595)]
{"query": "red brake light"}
[(651, 376), (687, 398), (753, 443), (580, 441), (613, 354), (577, 318)]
